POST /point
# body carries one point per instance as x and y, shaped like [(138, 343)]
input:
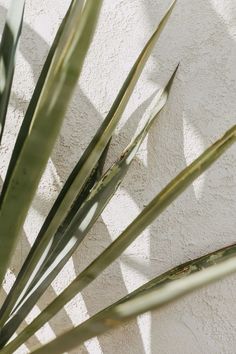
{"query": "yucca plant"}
[(86, 192)]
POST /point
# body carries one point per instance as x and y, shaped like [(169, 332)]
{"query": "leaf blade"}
[(61, 81), (155, 208), (78, 176), (24, 130), (8, 51), (139, 303), (23, 133), (99, 195)]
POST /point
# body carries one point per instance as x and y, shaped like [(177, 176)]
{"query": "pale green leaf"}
[(153, 210)]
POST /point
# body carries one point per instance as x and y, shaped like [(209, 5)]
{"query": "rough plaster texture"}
[(201, 36)]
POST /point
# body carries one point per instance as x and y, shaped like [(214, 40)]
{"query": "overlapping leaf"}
[(22, 135), (59, 85), (83, 220), (80, 175), (153, 210), (155, 294), (8, 50), (85, 193), (24, 130)]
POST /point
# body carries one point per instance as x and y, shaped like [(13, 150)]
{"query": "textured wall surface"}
[(201, 36)]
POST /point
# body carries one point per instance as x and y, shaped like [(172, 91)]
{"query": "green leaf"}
[(181, 271), (153, 210), (105, 188), (23, 133), (83, 169), (8, 330), (82, 221), (155, 294), (24, 130), (8, 50), (48, 116)]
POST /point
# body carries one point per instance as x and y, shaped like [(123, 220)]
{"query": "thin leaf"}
[(105, 188), (24, 130), (8, 49), (153, 210), (23, 133), (8, 330), (183, 271), (83, 220), (103, 191), (95, 325), (221, 264), (95, 176), (84, 168), (60, 83)]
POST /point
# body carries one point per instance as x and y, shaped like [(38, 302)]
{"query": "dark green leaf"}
[(82, 171), (153, 210), (82, 221), (23, 133), (8, 50), (48, 116), (155, 294)]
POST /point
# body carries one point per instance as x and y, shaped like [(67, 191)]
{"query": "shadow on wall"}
[(198, 112)]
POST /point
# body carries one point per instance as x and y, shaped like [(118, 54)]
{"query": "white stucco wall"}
[(201, 36)]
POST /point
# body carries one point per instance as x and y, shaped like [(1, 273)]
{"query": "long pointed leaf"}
[(95, 325), (153, 210), (8, 50), (24, 130), (60, 83), (82, 196), (23, 133), (151, 299), (181, 271), (12, 298), (82, 221), (106, 187), (84, 167)]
